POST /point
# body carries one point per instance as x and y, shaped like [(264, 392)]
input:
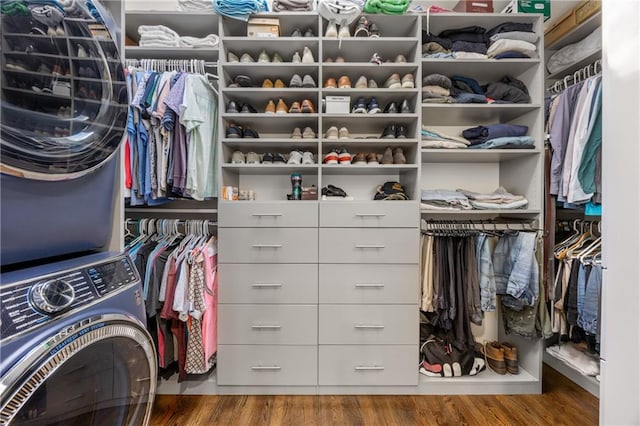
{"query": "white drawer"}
[(339, 245), (266, 365), (385, 284), (266, 324), (369, 324), (265, 283), (368, 365), (268, 245), (293, 214), (377, 214)]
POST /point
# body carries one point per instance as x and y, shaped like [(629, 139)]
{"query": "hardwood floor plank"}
[(562, 403)]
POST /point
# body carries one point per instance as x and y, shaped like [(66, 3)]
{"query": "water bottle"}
[(296, 186)]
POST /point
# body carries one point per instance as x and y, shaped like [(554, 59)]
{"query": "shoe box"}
[(263, 27)]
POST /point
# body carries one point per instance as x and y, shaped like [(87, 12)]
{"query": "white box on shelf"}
[(337, 104), (263, 27)]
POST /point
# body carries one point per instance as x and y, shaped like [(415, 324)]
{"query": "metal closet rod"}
[(186, 65), (476, 225), (578, 76), (152, 225)]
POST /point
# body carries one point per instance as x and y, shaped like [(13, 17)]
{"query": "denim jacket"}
[(516, 270)]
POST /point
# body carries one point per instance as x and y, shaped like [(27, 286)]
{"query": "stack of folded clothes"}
[(435, 47), (184, 5), (436, 88), (512, 40), (292, 5), (500, 199), (468, 42), (432, 138), (508, 90), (466, 90), (444, 199), (503, 136), (161, 36)]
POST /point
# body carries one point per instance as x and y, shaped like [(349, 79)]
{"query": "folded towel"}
[(159, 43), (481, 205), (210, 40), (142, 29), (292, 5), (195, 5), (499, 196)]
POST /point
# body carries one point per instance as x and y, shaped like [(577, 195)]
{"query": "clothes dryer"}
[(75, 350)]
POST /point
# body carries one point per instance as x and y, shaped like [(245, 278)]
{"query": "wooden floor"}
[(562, 403)]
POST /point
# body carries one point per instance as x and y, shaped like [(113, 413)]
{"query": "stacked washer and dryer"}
[(73, 343)]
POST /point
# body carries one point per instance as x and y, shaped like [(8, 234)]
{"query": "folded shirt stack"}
[(508, 90), (161, 36), (436, 88), (513, 40), (468, 42), (432, 138), (504, 136), (292, 5), (500, 199), (444, 199), (184, 5)]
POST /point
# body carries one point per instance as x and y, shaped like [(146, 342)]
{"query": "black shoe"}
[(232, 108), (278, 158), (373, 107), (250, 133), (401, 132), (391, 108), (389, 132), (243, 81), (360, 107), (248, 109), (234, 131), (362, 28), (374, 32), (405, 108), (333, 191)]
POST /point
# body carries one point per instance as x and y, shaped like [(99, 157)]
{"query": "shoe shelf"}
[(474, 114), (367, 169), (475, 155), (373, 141), (256, 96), (486, 382), (270, 67), (37, 74), (263, 118), (33, 93), (272, 169), (400, 118), (367, 91), (356, 42), (368, 66), (35, 54), (246, 144)]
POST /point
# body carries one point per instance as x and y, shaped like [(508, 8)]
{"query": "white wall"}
[(620, 351)]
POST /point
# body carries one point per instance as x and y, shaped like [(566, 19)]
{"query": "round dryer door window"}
[(64, 94), (100, 372)]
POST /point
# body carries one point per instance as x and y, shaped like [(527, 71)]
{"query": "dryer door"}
[(64, 95), (101, 371)]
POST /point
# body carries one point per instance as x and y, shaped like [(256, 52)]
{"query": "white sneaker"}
[(343, 133), (344, 30), (232, 57), (296, 58), (332, 30), (238, 158), (253, 158), (307, 56), (308, 133), (332, 133), (82, 53), (295, 157), (307, 158), (296, 134)]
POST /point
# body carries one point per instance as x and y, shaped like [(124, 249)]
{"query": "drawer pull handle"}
[(266, 285), (266, 368), (273, 246), (370, 246), (369, 368), (369, 327), (266, 214), (366, 285), (266, 327), (370, 214)]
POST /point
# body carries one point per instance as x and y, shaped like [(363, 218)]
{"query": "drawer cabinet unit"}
[(268, 245), (379, 214), (369, 245), (269, 215)]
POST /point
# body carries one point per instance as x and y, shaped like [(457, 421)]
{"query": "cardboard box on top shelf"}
[(474, 6), (263, 27), (529, 6)]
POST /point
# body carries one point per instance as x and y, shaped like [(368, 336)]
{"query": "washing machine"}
[(63, 114), (74, 346)]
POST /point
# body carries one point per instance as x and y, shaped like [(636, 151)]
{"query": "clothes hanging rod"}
[(172, 211), (577, 76), (462, 225)]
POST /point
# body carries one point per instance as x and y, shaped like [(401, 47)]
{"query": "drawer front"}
[(370, 214), (268, 215), (266, 325), (264, 283), (265, 365), (368, 365), (268, 245), (385, 284), (369, 245), (369, 324)]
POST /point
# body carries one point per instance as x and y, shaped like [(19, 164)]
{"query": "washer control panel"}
[(30, 304)]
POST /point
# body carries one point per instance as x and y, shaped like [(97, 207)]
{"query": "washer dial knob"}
[(52, 296)]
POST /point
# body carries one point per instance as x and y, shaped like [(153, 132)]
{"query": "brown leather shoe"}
[(307, 106), (279, 84), (281, 108), (495, 357), (330, 83), (267, 84), (510, 357), (344, 82), (359, 158), (270, 108), (387, 157), (295, 108)]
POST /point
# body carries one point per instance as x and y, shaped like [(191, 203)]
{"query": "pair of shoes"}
[(333, 191), (501, 357), (235, 131), (344, 82), (273, 158), (395, 82), (280, 108), (268, 84), (263, 58), (397, 131), (334, 133), (361, 106), (337, 156), (239, 157), (299, 157), (307, 81), (297, 33), (363, 83), (393, 108), (361, 159), (232, 108), (366, 29), (333, 32), (306, 58), (241, 80), (393, 156), (337, 60), (307, 133)]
